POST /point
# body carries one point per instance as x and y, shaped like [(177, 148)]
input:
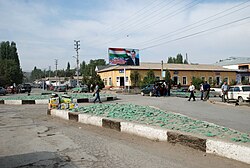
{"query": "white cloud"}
[(44, 32)]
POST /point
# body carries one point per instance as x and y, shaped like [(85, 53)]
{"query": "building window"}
[(226, 79), (110, 81), (218, 81), (105, 81), (210, 80), (126, 79), (184, 80), (203, 78)]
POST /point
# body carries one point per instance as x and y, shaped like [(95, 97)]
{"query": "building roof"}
[(234, 61), (157, 66)]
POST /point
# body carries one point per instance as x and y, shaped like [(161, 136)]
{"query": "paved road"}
[(30, 138), (236, 117)]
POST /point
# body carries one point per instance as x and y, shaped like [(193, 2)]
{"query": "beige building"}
[(114, 75)]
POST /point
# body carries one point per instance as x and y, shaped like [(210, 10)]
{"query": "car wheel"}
[(240, 100), (150, 94), (142, 94)]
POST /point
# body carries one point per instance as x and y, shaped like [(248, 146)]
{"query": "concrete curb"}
[(229, 150), (46, 101), (41, 101), (146, 131), (221, 103)]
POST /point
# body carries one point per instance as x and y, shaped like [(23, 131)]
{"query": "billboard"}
[(123, 56)]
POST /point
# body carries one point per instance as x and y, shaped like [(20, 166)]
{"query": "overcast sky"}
[(207, 30)]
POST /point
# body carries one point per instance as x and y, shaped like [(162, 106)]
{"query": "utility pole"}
[(161, 69), (77, 47), (49, 72), (56, 63)]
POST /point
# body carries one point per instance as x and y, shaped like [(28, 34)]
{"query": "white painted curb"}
[(225, 149), (14, 102), (60, 113), (144, 131), (229, 150), (90, 119), (91, 100), (42, 101)]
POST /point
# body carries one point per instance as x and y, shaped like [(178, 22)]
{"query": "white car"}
[(241, 93)]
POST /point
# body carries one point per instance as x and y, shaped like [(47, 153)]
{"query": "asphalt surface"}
[(30, 138), (235, 117)]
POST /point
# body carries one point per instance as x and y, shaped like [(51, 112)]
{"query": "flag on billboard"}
[(123, 56)]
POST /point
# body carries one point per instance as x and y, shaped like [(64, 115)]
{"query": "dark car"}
[(159, 88), (149, 89), (24, 88), (2, 91)]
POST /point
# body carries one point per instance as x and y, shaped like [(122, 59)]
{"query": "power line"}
[(173, 33), (145, 17), (197, 33), (171, 15), (136, 25), (176, 12), (111, 28), (124, 22)]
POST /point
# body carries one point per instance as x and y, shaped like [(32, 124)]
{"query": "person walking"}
[(206, 88), (97, 94), (191, 90), (224, 89), (201, 90)]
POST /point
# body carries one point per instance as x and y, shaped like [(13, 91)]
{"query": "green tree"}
[(83, 68), (170, 60), (10, 70), (89, 74), (149, 78), (89, 69), (68, 67), (233, 82), (36, 74), (135, 78), (167, 76), (196, 82), (179, 59)]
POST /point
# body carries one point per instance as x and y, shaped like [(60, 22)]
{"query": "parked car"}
[(149, 89), (2, 91), (11, 90), (81, 89), (240, 93), (61, 88), (22, 88), (216, 92)]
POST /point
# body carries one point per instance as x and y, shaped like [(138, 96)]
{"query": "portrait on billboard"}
[(124, 56)]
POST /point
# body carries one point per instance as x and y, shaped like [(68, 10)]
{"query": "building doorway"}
[(175, 80), (217, 80), (121, 81)]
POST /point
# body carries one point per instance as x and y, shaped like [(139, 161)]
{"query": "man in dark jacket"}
[(206, 88), (133, 60)]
